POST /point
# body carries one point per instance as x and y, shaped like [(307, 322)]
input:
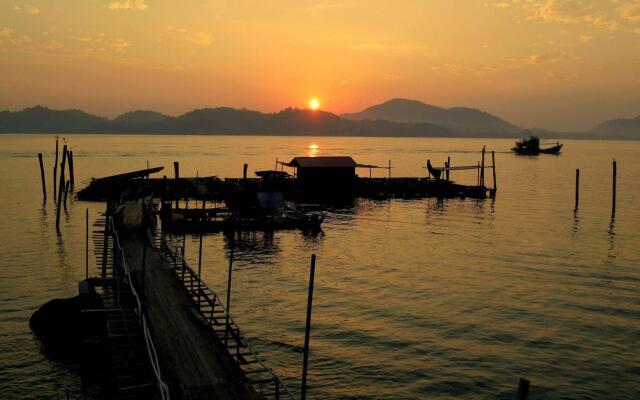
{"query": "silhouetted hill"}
[(42, 119), (221, 120), (464, 121), (141, 117), (623, 128)]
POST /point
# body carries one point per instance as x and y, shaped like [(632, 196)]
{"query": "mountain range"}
[(397, 117)]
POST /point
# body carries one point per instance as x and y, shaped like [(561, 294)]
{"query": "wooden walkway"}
[(194, 363)]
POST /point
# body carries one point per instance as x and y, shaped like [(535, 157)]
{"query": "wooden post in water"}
[(176, 168), (226, 325), (577, 189), (55, 171), (307, 331), (66, 190), (523, 389), (44, 185), (61, 186), (482, 168), (389, 169), (86, 245), (448, 165), (71, 175), (493, 167), (244, 171), (613, 202)]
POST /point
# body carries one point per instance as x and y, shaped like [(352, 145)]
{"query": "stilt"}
[(71, 175), (44, 185), (61, 186), (226, 329), (176, 168), (55, 171), (86, 247), (482, 168), (493, 167), (66, 190), (613, 202), (244, 171), (448, 165), (523, 389), (389, 169), (307, 331), (577, 189)]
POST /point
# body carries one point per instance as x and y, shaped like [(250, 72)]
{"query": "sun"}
[(314, 104)]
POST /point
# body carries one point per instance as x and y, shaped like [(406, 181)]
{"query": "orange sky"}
[(559, 64)]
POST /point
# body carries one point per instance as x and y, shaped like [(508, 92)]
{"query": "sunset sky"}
[(558, 64)]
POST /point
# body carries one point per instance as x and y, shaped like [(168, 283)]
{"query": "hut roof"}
[(322, 162)]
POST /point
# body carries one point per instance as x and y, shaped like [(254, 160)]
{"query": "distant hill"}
[(41, 119), (464, 121), (623, 128), (221, 120), (141, 117)]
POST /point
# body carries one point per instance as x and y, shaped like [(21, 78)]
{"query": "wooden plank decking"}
[(194, 362)]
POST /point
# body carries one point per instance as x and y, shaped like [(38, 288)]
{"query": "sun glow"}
[(314, 104)]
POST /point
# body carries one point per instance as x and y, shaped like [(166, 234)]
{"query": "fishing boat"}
[(532, 147)]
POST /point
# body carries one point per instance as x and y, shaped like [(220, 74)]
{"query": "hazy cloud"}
[(201, 38), (27, 8), (630, 11), (127, 5), (543, 58), (5, 31), (585, 38)]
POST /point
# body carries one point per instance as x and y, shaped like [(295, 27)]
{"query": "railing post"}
[(307, 331), (226, 329)]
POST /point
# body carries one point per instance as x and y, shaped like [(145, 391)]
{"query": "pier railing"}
[(119, 258), (266, 383)]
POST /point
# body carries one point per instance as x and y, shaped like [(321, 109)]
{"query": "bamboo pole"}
[(493, 167), (226, 329), (71, 175), (176, 168), (577, 189), (523, 389), (61, 186), (55, 171), (86, 246), (66, 190), (44, 185), (307, 331), (482, 166), (613, 200)]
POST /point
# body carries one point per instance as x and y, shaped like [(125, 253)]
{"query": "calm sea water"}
[(414, 299)]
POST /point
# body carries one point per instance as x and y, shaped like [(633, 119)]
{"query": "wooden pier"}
[(173, 337)]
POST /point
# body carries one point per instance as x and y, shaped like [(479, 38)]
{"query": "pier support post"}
[(482, 167), (613, 200), (307, 331), (389, 169), (226, 325), (44, 186), (176, 168), (55, 171), (493, 167), (448, 165), (244, 171), (86, 245), (71, 175), (577, 189), (523, 389)]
